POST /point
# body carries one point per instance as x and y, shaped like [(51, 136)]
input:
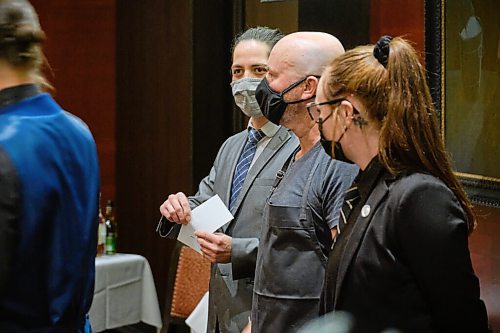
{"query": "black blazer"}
[(407, 263)]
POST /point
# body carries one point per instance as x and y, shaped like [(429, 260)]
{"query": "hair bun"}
[(381, 50), (19, 26)]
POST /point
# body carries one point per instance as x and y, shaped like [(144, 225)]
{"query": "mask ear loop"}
[(294, 85), (336, 114)]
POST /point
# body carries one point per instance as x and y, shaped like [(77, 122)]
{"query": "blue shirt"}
[(55, 161)]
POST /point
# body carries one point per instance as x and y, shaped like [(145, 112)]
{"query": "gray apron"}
[(288, 286)]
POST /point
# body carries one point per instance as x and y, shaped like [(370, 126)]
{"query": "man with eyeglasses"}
[(301, 215)]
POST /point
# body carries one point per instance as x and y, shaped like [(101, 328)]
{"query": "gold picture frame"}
[(463, 65)]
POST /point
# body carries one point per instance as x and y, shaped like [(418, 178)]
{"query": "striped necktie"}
[(246, 157)]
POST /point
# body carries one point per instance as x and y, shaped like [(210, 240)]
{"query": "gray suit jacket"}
[(231, 285)]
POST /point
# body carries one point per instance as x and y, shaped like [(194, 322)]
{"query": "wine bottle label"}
[(102, 234), (110, 244)]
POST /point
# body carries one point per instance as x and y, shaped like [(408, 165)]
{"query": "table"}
[(124, 293)]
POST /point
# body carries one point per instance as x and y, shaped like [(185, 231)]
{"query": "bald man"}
[(303, 209)]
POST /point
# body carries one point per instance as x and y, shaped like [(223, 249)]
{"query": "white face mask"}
[(244, 96)]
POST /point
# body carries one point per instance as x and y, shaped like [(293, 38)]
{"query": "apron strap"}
[(281, 173)]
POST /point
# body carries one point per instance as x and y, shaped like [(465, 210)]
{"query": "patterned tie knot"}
[(351, 195), (350, 200), (246, 157), (254, 135)]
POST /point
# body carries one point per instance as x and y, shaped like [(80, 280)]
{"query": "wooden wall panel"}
[(283, 14), (212, 98), (348, 20), (396, 18), (357, 22), (174, 109), (154, 107), (81, 51), (484, 246)]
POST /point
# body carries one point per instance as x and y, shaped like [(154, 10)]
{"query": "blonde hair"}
[(396, 96)]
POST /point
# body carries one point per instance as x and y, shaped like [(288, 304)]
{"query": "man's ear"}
[(310, 86)]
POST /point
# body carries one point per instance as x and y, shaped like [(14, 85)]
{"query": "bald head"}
[(294, 63), (306, 53)]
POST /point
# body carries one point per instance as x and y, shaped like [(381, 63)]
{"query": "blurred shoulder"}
[(79, 125)]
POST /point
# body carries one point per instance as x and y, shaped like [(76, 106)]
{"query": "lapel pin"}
[(365, 211)]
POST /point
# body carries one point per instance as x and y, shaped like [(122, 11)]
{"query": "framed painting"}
[(463, 63)]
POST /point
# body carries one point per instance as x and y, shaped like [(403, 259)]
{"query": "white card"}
[(209, 216)]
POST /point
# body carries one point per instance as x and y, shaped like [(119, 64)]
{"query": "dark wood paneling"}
[(398, 18), (212, 97), (348, 20), (283, 15), (154, 155), (81, 51), (174, 110), (485, 252), (357, 22)]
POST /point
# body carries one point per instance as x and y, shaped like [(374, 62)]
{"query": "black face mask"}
[(326, 144), (272, 103), (337, 152)]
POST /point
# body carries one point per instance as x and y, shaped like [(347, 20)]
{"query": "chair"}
[(188, 281)]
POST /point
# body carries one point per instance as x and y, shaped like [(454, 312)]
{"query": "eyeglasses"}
[(315, 112)]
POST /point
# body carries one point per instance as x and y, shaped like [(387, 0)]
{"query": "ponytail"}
[(390, 80)]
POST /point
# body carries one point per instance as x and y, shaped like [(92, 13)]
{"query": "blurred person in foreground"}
[(242, 175), (401, 259), (302, 211), (49, 190)]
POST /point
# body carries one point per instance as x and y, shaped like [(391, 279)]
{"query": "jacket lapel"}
[(358, 232), (269, 151)]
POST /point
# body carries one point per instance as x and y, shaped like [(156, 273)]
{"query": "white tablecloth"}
[(124, 293)]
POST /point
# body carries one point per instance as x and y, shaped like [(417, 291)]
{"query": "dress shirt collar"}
[(12, 95), (269, 129)]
